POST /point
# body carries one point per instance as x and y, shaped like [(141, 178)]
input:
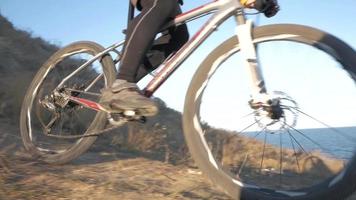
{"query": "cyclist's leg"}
[(124, 95), (141, 33), (170, 41)]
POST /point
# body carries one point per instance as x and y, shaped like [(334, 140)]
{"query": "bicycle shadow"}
[(102, 151), (151, 140)]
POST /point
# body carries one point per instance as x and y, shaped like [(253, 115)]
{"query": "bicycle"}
[(54, 107)]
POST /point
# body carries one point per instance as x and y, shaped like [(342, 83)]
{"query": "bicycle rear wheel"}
[(308, 151), (48, 120)]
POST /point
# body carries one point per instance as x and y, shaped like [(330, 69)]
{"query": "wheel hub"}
[(275, 111), (59, 99), (276, 114)]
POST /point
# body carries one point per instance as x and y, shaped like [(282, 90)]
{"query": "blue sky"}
[(64, 21)]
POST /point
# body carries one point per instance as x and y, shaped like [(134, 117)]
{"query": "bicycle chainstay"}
[(115, 123)]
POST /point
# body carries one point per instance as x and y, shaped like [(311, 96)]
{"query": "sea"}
[(337, 142)]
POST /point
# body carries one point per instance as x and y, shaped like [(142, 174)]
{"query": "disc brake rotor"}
[(278, 114)]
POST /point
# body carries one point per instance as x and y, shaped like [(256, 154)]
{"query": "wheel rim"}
[(217, 146), (37, 116)]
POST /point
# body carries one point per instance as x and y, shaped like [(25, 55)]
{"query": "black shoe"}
[(124, 96)]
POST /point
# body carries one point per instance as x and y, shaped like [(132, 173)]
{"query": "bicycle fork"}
[(261, 101)]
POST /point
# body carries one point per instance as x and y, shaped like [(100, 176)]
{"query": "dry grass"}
[(243, 157), (4, 155), (4, 165)]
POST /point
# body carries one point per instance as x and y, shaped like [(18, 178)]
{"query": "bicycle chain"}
[(91, 134)]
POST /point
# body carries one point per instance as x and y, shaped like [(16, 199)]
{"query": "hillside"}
[(147, 159), (20, 56)]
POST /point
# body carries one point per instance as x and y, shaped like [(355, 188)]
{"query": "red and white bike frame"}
[(221, 10)]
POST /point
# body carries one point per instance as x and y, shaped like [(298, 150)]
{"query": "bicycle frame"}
[(221, 10)]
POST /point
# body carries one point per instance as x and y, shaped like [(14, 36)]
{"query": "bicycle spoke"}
[(96, 79), (297, 142), (244, 129), (249, 126), (263, 152), (50, 123), (295, 153), (243, 164), (253, 112), (261, 131), (288, 107), (257, 134), (307, 137), (326, 125)]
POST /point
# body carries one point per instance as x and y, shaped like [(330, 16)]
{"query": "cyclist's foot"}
[(125, 96)]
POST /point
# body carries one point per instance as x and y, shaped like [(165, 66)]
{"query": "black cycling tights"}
[(142, 52)]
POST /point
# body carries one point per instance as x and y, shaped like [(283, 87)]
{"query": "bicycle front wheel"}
[(308, 150), (52, 126)]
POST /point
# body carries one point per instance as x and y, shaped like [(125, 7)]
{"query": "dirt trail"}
[(116, 177), (104, 174)]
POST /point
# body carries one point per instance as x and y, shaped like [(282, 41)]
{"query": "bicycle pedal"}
[(142, 119), (129, 113), (125, 113), (137, 118), (123, 117)]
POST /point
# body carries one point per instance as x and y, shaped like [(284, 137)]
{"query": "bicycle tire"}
[(99, 121), (337, 187)]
